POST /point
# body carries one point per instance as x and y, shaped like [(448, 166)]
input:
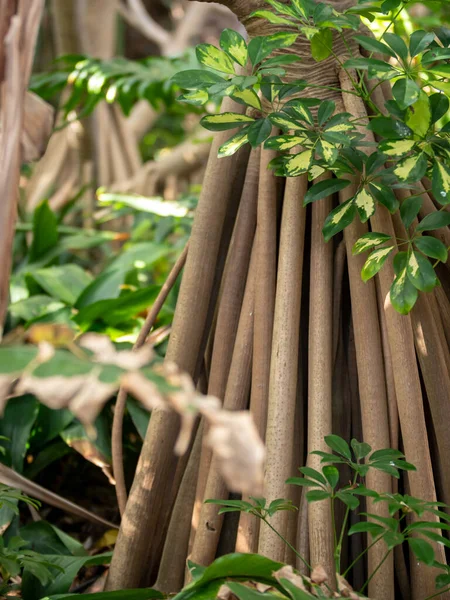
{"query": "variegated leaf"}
[(370, 240), (284, 142), (224, 121), (420, 272), (329, 152), (403, 294), (234, 143), (411, 168), (271, 17), (216, 59), (365, 204), (441, 183), (284, 122), (375, 261), (248, 97), (196, 98), (234, 45), (299, 163), (396, 148), (338, 219)]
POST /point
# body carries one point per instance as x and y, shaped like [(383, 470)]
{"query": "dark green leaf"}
[(397, 45), (439, 105), (324, 188), (332, 475), (317, 495), (142, 594), (234, 45), (410, 209), (374, 262), (313, 474), (366, 527), (338, 219), (441, 183), (367, 242), (361, 449), (326, 111), (432, 247), (385, 196), (422, 549), (338, 445), (406, 92), (403, 294), (434, 221), (16, 424), (419, 41), (259, 131), (374, 45), (45, 231), (348, 499), (64, 283), (390, 128), (196, 79), (421, 273)]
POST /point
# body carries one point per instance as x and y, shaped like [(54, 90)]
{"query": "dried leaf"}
[(287, 572), (319, 575), (239, 450), (225, 593), (144, 390), (105, 352), (37, 127)]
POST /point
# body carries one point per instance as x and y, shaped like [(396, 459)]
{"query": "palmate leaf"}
[(434, 221), (374, 45), (419, 41), (234, 45), (260, 47), (259, 131), (194, 79), (384, 196), (224, 121)]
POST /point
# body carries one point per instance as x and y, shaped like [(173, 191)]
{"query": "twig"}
[(117, 426), (137, 16)]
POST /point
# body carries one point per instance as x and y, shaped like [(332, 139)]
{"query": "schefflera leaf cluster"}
[(412, 129)]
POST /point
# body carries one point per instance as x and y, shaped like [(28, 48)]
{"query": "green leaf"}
[(366, 527), (384, 196), (386, 454), (374, 45), (48, 539), (259, 131), (433, 221), (432, 247), (34, 307), (338, 445), (397, 45), (141, 594), (396, 148), (374, 262), (328, 151), (284, 142), (271, 17), (338, 219), (317, 495), (234, 45), (196, 98), (16, 424), (283, 9), (365, 204), (422, 550), (299, 163), (419, 41), (322, 45), (390, 128), (441, 183), (247, 97), (216, 59), (194, 79), (139, 415), (324, 188), (332, 475), (224, 121), (325, 111), (45, 231), (406, 92), (232, 145), (348, 499), (403, 294), (361, 449), (313, 474), (49, 424), (260, 47), (301, 481), (368, 241), (439, 105), (243, 592), (419, 115), (410, 209), (377, 69), (421, 273), (63, 283), (412, 168)]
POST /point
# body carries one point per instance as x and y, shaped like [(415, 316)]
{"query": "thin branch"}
[(119, 410), (137, 16)]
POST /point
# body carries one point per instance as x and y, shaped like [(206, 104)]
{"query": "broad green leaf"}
[(403, 294), (299, 163), (48, 425), (397, 44), (283, 9), (384, 196), (216, 59), (368, 241), (48, 539), (284, 122), (243, 592), (285, 59), (374, 45), (348, 499), (45, 231), (434, 221), (284, 142), (419, 41), (365, 204), (396, 148), (432, 247), (339, 124), (406, 92), (422, 550), (232, 145), (338, 219), (271, 17), (439, 104), (196, 79), (63, 283), (141, 594), (366, 527), (196, 98), (390, 128), (302, 111), (332, 475), (374, 262), (295, 593), (34, 307), (421, 273), (248, 97), (260, 47), (259, 131), (322, 45), (317, 495), (326, 111), (339, 445), (410, 209), (313, 474), (16, 425), (324, 188), (361, 449), (419, 115), (412, 168), (224, 121), (441, 182), (377, 69), (234, 45)]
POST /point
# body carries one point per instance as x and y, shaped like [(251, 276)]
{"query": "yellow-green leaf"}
[(248, 97), (412, 168), (375, 261), (420, 272), (329, 152), (284, 142), (370, 240), (299, 163), (234, 45), (338, 219), (396, 148), (216, 59), (234, 143), (365, 205), (441, 183), (403, 294), (418, 117), (271, 17), (224, 121), (196, 98), (284, 122)]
